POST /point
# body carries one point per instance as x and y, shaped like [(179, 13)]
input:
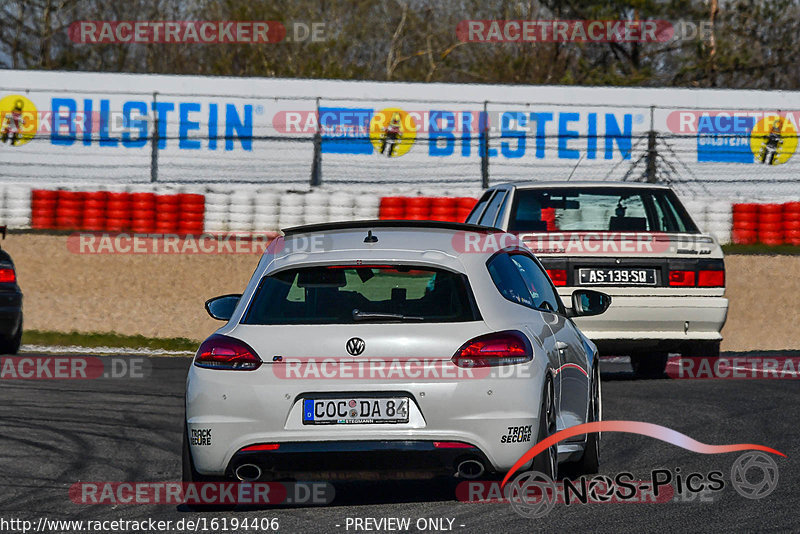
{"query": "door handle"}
[(560, 345)]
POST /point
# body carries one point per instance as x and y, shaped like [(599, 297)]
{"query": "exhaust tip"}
[(470, 469), (248, 472)]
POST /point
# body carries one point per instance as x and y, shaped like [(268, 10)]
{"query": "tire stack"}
[(118, 211), (444, 209), (167, 213), (143, 212), (791, 223), (745, 224), (43, 209), (315, 207), (217, 207), (340, 207), (69, 210), (266, 211), (192, 211), (366, 207), (418, 208), (719, 220), (770, 224), (93, 213), (240, 214), (18, 207), (463, 207), (392, 208), (290, 212)]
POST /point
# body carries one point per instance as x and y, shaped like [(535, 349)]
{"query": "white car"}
[(383, 347), (635, 242)]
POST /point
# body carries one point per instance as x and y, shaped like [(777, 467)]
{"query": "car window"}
[(537, 282), (616, 209), (507, 279), (491, 210), (330, 294), (478, 209)]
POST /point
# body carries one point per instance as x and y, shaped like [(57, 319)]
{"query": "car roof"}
[(578, 185)]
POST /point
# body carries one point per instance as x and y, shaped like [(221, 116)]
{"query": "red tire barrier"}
[(391, 213), (745, 208), (770, 208), (770, 218)]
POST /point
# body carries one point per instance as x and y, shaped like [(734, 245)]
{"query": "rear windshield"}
[(355, 294), (599, 209)]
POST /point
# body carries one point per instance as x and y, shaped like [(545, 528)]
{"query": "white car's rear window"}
[(343, 294), (599, 209)]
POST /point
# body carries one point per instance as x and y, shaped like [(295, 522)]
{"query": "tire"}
[(10, 344), (589, 464), (650, 364), (707, 349), (547, 462)]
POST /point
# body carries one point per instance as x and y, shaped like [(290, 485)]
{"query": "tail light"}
[(711, 279), (500, 348), (7, 275), (681, 278), (262, 447), (227, 353), (452, 445), (558, 276)]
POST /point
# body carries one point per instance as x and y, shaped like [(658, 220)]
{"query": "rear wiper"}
[(359, 315)]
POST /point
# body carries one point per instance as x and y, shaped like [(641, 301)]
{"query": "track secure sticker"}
[(517, 434), (201, 437)]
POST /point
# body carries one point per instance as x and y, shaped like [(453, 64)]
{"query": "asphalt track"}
[(57, 432)]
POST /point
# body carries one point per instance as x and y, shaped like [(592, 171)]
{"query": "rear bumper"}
[(665, 322), (407, 459), (236, 409)]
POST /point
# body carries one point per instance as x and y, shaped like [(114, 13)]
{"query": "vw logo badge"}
[(355, 346)]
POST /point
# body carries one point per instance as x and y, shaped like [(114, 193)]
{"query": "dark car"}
[(10, 304)]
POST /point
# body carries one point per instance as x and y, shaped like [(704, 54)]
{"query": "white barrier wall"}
[(98, 128)]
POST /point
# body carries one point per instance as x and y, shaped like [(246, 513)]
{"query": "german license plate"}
[(617, 277), (355, 410)]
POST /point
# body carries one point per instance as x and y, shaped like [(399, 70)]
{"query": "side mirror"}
[(221, 308), (586, 302)]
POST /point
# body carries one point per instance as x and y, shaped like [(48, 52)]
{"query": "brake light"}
[(681, 278), (227, 353), (262, 447), (711, 279), (500, 348), (7, 276), (451, 445), (558, 276)]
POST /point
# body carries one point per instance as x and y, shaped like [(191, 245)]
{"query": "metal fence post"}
[(485, 147), (650, 172), (154, 142), (316, 164)]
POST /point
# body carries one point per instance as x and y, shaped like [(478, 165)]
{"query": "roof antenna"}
[(370, 238), (575, 168)]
